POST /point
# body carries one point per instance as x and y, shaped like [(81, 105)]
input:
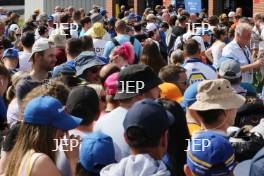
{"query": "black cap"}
[(150, 116), (83, 102), (134, 75)]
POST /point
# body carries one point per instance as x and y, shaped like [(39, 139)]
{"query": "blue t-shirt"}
[(65, 67), (122, 39)]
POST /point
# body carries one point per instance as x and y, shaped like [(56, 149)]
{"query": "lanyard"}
[(245, 53)]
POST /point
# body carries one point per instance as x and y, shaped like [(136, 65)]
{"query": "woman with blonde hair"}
[(44, 124)]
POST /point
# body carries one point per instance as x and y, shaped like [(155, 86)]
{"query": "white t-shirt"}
[(112, 125), (187, 36), (217, 52), (243, 56), (197, 71), (12, 112), (99, 46), (24, 64)]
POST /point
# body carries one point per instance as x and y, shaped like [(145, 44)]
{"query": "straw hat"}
[(216, 94)]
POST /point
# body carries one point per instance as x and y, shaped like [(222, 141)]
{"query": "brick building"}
[(215, 7)]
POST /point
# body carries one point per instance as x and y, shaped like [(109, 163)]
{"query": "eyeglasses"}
[(185, 82)]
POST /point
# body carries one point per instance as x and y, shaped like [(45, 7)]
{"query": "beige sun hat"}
[(217, 94)]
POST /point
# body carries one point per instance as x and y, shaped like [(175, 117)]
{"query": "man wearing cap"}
[(135, 82), (238, 50), (82, 102), (230, 70), (216, 105), (10, 60), (153, 33), (121, 38), (209, 154), (43, 60), (51, 25), (146, 126)]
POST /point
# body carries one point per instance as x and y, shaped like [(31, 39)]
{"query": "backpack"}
[(180, 45), (132, 40)]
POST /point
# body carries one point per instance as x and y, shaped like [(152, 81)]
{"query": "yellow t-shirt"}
[(193, 128)]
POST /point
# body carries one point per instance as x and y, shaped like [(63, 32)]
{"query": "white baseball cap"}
[(231, 14), (41, 44), (13, 28), (151, 27)]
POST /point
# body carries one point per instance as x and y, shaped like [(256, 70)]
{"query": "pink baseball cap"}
[(110, 84)]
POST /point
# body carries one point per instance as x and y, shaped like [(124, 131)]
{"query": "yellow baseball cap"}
[(171, 92)]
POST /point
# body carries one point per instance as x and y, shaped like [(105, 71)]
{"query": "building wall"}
[(47, 6), (258, 6)]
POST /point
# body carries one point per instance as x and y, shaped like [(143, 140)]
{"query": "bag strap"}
[(32, 158), (116, 43), (132, 39)]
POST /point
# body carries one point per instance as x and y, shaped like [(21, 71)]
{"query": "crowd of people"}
[(166, 93)]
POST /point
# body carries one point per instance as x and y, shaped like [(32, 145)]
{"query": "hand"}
[(258, 63), (72, 150)]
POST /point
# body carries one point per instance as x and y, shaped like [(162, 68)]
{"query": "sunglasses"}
[(185, 82)]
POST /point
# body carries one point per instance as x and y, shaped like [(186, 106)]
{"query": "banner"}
[(193, 6), (179, 3)]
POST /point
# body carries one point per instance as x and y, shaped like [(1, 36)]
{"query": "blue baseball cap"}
[(96, 151), (46, 110), (111, 20), (138, 17), (131, 16), (211, 154), (150, 116), (10, 53), (50, 18), (189, 96), (103, 12)]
